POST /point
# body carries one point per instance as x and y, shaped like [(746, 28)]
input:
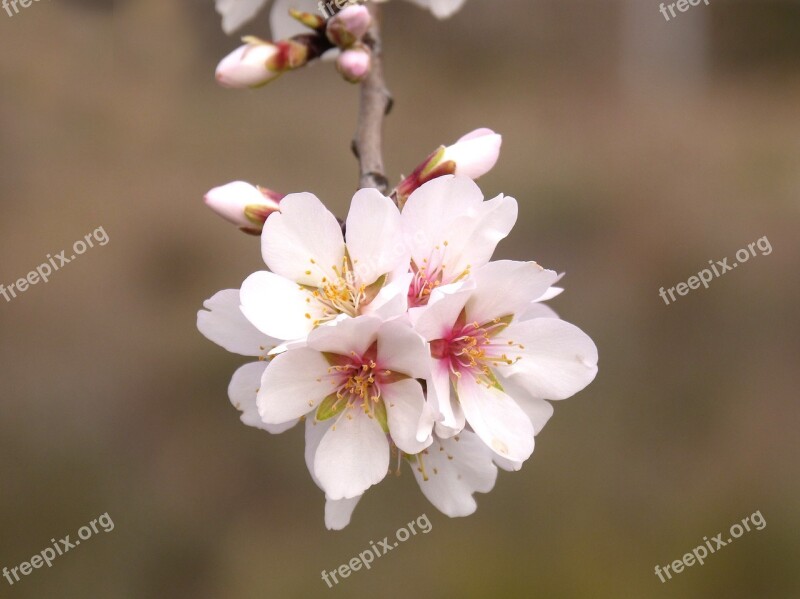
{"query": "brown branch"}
[(375, 103)]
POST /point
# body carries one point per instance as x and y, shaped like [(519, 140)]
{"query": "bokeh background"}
[(638, 149)]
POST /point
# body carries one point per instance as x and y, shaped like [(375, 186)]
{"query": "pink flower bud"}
[(472, 156), (348, 26), (354, 63), (475, 154), (247, 65), (244, 205)]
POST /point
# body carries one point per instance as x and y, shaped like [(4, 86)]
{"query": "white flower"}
[(477, 342), (450, 231), (316, 277), (223, 323), (451, 470), (247, 66), (359, 375)]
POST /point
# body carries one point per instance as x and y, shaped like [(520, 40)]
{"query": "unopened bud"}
[(354, 63), (348, 26), (473, 155), (245, 205), (248, 65)]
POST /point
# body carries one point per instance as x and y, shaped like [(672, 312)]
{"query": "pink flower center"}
[(431, 274), (473, 349), (357, 381)]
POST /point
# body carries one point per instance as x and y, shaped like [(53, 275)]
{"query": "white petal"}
[(303, 242), (441, 401), (314, 433), (346, 336), (439, 317), (496, 419), (339, 511), (243, 391), (392, 299), (431, 209), (279, 307), (537, 310), (557, 361), (405, 403), (506, 464), (441, 9), (520, 282), (551, 293), (236, 13), (444, 431), (224, 324), (451, 482), (402, 350), (352, 456), (293, 385), (374, 236), (538, 410), (474, 236), (476, 153)]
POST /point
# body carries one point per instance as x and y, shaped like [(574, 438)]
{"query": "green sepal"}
[(490, 376), (329, 408), (379, 412), (373, 289)]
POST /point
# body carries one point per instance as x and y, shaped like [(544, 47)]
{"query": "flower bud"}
[(354, 63), (247, 66), (245, 205), (348, 26), (473, 155)]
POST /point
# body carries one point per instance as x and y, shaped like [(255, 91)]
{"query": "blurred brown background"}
[(639, 149)]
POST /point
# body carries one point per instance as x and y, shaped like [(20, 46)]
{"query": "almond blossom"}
[(392, 334), (361, 376), (317, 276), (450, 231), (478, 341)]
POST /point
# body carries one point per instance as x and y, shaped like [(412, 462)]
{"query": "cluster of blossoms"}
[(397, 340)]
